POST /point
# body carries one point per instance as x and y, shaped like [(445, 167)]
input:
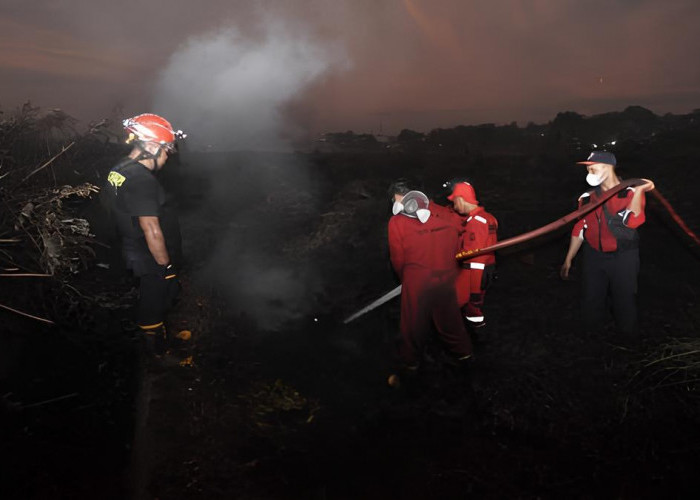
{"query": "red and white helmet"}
[(149, 127)]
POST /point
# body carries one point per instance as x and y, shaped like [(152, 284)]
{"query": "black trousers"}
[(156, 294), (156, 297), (610, 276)]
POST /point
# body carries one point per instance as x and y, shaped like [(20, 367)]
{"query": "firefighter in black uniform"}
[(136, 201), (611, 246)]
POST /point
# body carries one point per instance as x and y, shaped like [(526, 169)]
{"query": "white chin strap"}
[(397, 208)]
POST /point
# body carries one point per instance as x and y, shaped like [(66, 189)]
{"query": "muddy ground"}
[(274, 397)]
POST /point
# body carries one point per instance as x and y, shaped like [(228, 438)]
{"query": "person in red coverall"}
[(611, 246), (422, 249), (479, 229)]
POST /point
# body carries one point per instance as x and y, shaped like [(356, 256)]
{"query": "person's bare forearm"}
[(156, 245), (636, 206), (574, 247), (155, 239)]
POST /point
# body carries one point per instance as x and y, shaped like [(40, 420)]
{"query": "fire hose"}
[(552, 226), (676, 218)]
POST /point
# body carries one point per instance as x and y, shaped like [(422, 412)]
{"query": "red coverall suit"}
[(610, 259), (423, 256), (479, 230)]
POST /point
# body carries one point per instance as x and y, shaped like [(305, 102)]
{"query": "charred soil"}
[(274, 397)]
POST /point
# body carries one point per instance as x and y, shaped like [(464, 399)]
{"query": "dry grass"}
[(675, 363)]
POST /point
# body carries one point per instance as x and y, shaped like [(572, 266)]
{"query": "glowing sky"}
[(350, 64)]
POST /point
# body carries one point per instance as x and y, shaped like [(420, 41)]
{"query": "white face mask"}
[(595, 179)]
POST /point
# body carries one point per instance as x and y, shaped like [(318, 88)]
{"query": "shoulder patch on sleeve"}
[(115, 179)]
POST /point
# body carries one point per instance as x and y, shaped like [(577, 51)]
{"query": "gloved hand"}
[(167, 272), (172, 284)]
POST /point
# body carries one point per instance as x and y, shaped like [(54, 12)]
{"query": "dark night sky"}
[(246, 69)]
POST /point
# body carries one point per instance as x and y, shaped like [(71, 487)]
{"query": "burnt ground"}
[(274, 397)]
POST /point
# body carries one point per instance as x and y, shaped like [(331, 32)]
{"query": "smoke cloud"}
[(232, 232), (229, 90)]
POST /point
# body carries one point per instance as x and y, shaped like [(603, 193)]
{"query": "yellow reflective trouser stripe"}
[(150, 327), (170, 276)]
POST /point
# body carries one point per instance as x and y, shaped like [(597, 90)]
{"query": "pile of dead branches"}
[(45, 148), (42, 155), (61, 243)]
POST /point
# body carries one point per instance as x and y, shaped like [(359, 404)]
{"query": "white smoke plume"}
[(228, 90)]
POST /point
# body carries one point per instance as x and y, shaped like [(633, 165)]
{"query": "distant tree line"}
[(569, 131)]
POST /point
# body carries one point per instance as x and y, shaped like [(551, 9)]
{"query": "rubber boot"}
[(155, 339), (473, 312)]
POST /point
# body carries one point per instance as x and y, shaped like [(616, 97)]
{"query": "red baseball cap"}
[(466, 191)]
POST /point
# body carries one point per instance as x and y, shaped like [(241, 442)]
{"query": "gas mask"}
[(414, 204)]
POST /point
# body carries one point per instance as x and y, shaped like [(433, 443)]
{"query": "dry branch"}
[(49, 401), (66, 148), (27, 314), (25, 275)]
